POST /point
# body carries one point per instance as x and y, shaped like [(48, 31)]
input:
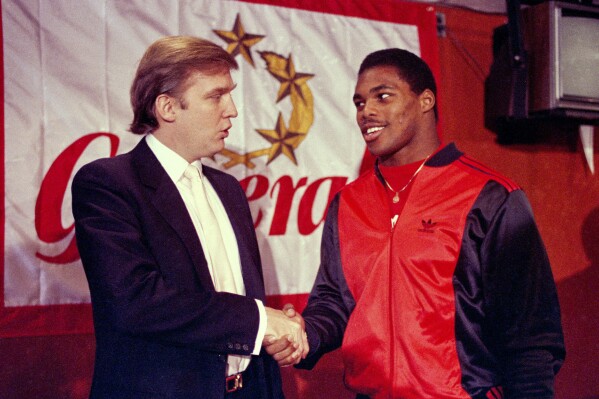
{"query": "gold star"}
[(239, 41), (284, 71), (283, 141)]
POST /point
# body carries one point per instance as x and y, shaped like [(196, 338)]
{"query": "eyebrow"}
[(375, 89), (381, 87), (221, 90)]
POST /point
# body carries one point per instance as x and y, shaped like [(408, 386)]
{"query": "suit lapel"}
[(168, 202)]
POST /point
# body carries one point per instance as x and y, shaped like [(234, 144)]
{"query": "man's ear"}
[(164, 107), (427, 100)]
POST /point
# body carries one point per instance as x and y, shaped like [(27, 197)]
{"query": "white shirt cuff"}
[(261, 327)]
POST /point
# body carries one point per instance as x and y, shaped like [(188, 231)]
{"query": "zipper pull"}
[(393, 221)]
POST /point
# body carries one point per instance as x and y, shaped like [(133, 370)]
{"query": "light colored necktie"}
[(221, 267), (222, 273)]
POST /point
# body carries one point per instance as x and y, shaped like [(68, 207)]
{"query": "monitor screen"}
[(578, 44)]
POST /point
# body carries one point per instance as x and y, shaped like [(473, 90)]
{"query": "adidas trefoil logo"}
[(427, 226)]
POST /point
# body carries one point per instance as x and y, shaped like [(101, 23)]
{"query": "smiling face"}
[(397, 124), (196, 123)]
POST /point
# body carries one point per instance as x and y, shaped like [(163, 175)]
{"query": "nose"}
[(369, 108), (231, 109), (366, 112)]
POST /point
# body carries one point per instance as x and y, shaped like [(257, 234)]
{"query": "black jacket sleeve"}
[(521, 301), (330, 302)]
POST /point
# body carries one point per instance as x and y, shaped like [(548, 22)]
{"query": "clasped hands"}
[(285, 339)]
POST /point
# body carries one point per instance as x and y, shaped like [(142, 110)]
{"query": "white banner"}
[(68, 65)]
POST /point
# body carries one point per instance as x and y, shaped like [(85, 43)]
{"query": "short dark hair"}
[(165, 68), (410, 68)]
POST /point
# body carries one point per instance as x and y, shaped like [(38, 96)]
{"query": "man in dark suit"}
[(177, 293)]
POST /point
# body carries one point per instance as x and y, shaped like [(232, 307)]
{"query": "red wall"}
[(552, 171)]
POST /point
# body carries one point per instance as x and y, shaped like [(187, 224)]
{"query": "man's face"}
[(203, 115), (388, 112)]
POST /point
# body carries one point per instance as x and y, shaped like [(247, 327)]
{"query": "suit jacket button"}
[(237, 346), (230, 345), (246, 347)]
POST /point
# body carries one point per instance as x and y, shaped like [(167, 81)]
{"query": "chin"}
[(374, 151), (214, 151)]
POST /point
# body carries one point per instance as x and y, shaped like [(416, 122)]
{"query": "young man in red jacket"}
[(434, 279)]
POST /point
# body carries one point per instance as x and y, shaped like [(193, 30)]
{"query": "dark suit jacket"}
[(162, 331)]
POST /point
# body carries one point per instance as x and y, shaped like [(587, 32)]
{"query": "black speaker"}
[(506, 86)]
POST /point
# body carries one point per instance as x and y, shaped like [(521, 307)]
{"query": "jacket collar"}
[(443, 157)]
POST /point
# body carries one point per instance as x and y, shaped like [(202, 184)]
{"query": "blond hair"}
[(165, 69)]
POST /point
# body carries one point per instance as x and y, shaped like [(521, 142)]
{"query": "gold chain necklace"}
[(396, 196)]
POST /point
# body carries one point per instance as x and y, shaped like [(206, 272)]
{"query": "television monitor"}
[(562, 44)]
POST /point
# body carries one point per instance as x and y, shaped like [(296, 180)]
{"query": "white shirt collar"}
[(173, 163)]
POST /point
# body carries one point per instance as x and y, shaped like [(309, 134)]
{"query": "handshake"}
[(285, 339)]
